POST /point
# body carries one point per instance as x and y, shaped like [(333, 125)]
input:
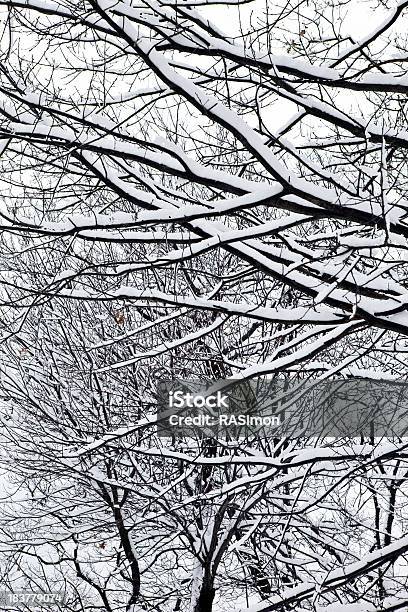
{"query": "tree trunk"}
[(206, 598)]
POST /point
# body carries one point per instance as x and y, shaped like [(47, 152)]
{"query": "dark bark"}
[(206, 598)]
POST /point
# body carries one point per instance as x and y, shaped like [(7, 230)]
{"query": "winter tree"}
[(199, 189)]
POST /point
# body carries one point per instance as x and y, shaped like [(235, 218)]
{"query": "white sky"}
[(360, 19)]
